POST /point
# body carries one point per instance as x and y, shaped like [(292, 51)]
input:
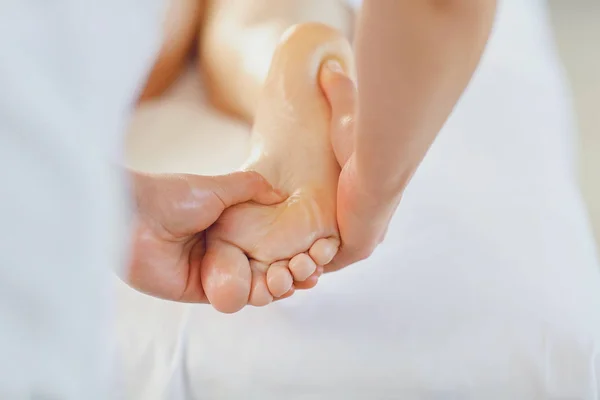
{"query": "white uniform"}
[(69, 70)]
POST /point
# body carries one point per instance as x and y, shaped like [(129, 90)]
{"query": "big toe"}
[(226, 276)]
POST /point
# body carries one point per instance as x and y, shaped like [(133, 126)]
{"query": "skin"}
[(235, 79), (316, 239), (172, 215), (414, 60), (257, 253), (239, 38)]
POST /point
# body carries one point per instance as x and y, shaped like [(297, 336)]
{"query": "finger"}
[(341, 261), (360, 237), (290, 293), (311, 282), (340, 91), (243, 186), (362, 220)]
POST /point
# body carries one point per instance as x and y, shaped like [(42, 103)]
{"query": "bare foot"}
[(256, 253)]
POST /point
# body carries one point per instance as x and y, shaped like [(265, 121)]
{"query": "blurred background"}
[(577, 30)]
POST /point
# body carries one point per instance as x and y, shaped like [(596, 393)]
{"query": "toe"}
[(323, 250), (259, 292), (289, 293), (226, 276), (302, 266), (311, 281), (279, 278)]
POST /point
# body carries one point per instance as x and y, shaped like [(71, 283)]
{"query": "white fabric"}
[(487, 285), (69, 70)]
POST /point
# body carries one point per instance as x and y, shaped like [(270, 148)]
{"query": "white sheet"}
[(487, 286)]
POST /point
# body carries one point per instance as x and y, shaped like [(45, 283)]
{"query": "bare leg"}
[(238, 40), (255, 253), (180, 32)]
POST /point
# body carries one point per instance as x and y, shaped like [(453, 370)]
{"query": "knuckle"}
[(254, 178)]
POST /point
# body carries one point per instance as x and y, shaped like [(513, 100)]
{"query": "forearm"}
[(239, 39), (414, 59)]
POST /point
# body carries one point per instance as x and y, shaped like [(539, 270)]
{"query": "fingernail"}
[(335, 66)]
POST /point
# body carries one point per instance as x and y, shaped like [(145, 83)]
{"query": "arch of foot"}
[(256, 253)]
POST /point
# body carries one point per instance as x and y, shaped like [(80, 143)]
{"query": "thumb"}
[(340, 91), (243, 186)]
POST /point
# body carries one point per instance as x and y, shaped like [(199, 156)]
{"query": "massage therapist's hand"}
[(414, 60), (173, 212), (364, 209)]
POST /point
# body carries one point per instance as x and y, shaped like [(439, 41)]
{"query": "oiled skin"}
[(224, 31), (180, 31), (238, 40), (292, 150), (290, 243)]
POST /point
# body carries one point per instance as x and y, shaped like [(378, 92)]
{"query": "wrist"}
[(381, 182), (364, 212), (370, 204)]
